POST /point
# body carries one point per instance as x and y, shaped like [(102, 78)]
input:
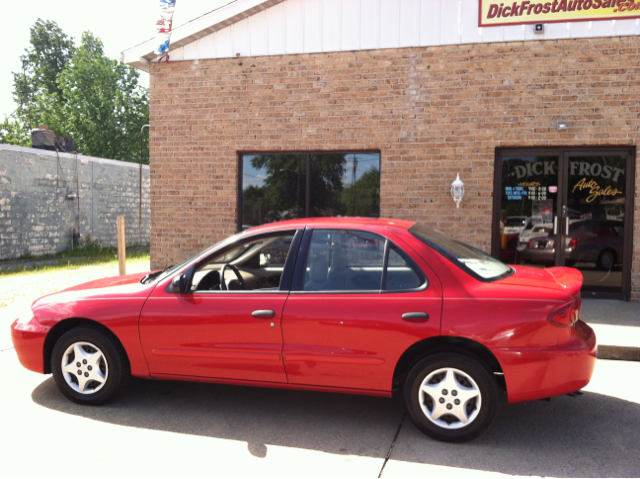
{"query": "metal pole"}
[(122, 260), (298, 191)]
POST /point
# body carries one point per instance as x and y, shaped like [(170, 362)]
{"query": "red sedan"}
[(350, 305)]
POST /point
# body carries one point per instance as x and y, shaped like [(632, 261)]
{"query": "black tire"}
[(450, 429), (606, 260), (112, 365)]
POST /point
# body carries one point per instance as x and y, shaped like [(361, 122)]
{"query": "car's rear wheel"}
[(451, 397), (88, 366), (606, 260)]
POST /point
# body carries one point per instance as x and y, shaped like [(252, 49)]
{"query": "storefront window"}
[(285, 186)]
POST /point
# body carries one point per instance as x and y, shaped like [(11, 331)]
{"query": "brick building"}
[(275, 109)]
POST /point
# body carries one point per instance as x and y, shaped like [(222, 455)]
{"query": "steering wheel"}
[(223, 284)]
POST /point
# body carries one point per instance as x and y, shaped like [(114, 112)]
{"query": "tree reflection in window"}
[(274, 186)]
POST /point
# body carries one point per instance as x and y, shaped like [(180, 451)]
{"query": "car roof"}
[(332, 222)]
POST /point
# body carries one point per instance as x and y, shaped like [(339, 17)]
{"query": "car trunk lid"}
[(566, 279), (569, 278)]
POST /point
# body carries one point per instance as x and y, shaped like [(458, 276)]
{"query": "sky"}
[(120, 25)]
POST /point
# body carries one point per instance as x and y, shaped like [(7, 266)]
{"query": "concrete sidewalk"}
[(617, 327)]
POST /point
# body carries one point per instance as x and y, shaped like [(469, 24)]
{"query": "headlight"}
[(27, 320), (25, 316)]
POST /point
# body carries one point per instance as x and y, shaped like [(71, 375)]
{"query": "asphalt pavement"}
[(169, 429)]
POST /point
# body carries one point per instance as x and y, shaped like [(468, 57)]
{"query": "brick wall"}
[(36, 218), (431, 111)]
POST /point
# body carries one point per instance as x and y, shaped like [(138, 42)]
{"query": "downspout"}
[(140, 196)]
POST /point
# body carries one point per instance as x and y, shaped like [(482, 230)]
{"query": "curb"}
[(623, 353)]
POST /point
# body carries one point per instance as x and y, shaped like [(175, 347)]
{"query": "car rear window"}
[(515, 221), (471, 260)]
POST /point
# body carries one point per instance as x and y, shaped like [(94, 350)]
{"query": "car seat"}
[(337, 276), (318, 272)]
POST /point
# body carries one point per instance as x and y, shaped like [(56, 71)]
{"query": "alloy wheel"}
[(450, 398), (84, 367)]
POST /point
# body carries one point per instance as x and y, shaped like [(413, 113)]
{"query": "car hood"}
[(124, 288), (109, 282), (557, 278)]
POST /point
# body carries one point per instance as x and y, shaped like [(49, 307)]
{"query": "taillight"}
[(566, 315), (554, 244), (573, 243), (530, 243)]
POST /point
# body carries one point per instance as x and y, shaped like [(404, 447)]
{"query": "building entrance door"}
[(567, 207)]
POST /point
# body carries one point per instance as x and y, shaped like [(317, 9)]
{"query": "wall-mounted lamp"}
[(538, 28), (457, 190), (71, 196), (562, 126)]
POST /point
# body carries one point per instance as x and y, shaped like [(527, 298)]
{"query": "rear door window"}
[(357, 261), (341, 260), (402, 272)]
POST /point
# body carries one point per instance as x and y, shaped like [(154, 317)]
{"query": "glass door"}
[(594, 218), (567, 207), (528, 209)]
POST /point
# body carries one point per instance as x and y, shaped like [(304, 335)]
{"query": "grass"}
[(90, 255)]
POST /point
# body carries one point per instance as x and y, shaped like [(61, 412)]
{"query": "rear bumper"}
[(544, 256), (543, 372), (28, 340)]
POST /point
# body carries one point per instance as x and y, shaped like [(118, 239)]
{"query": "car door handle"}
[(416, 317), (263, 313)]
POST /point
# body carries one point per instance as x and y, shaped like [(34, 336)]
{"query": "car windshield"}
[(473, 261), (170, 270)]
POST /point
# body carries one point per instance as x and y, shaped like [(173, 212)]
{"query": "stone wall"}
[(432, 112), (35, 216)]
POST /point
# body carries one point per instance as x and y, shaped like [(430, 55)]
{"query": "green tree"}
[(36, 90), (12, 132), (104, 106), (79, 93), (363, 198)]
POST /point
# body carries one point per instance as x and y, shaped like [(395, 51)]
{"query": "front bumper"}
[(28, 340), (543, 372)]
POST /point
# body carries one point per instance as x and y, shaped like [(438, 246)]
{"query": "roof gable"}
[(235, 11), (283, 27)]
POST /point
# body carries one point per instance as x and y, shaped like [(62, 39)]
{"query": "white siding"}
[(223, 43), (294, 28), (409, 23), (430, 22), (301, 26), (370, 24), (276, 22), (241, 38), (259, 34), (350, 23), (332, 26), (191, 51), (312, 26)]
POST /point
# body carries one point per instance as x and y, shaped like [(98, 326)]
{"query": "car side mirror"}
[(176, 284)]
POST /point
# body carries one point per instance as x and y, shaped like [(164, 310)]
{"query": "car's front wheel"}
[(88, 366), (451, 397)]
